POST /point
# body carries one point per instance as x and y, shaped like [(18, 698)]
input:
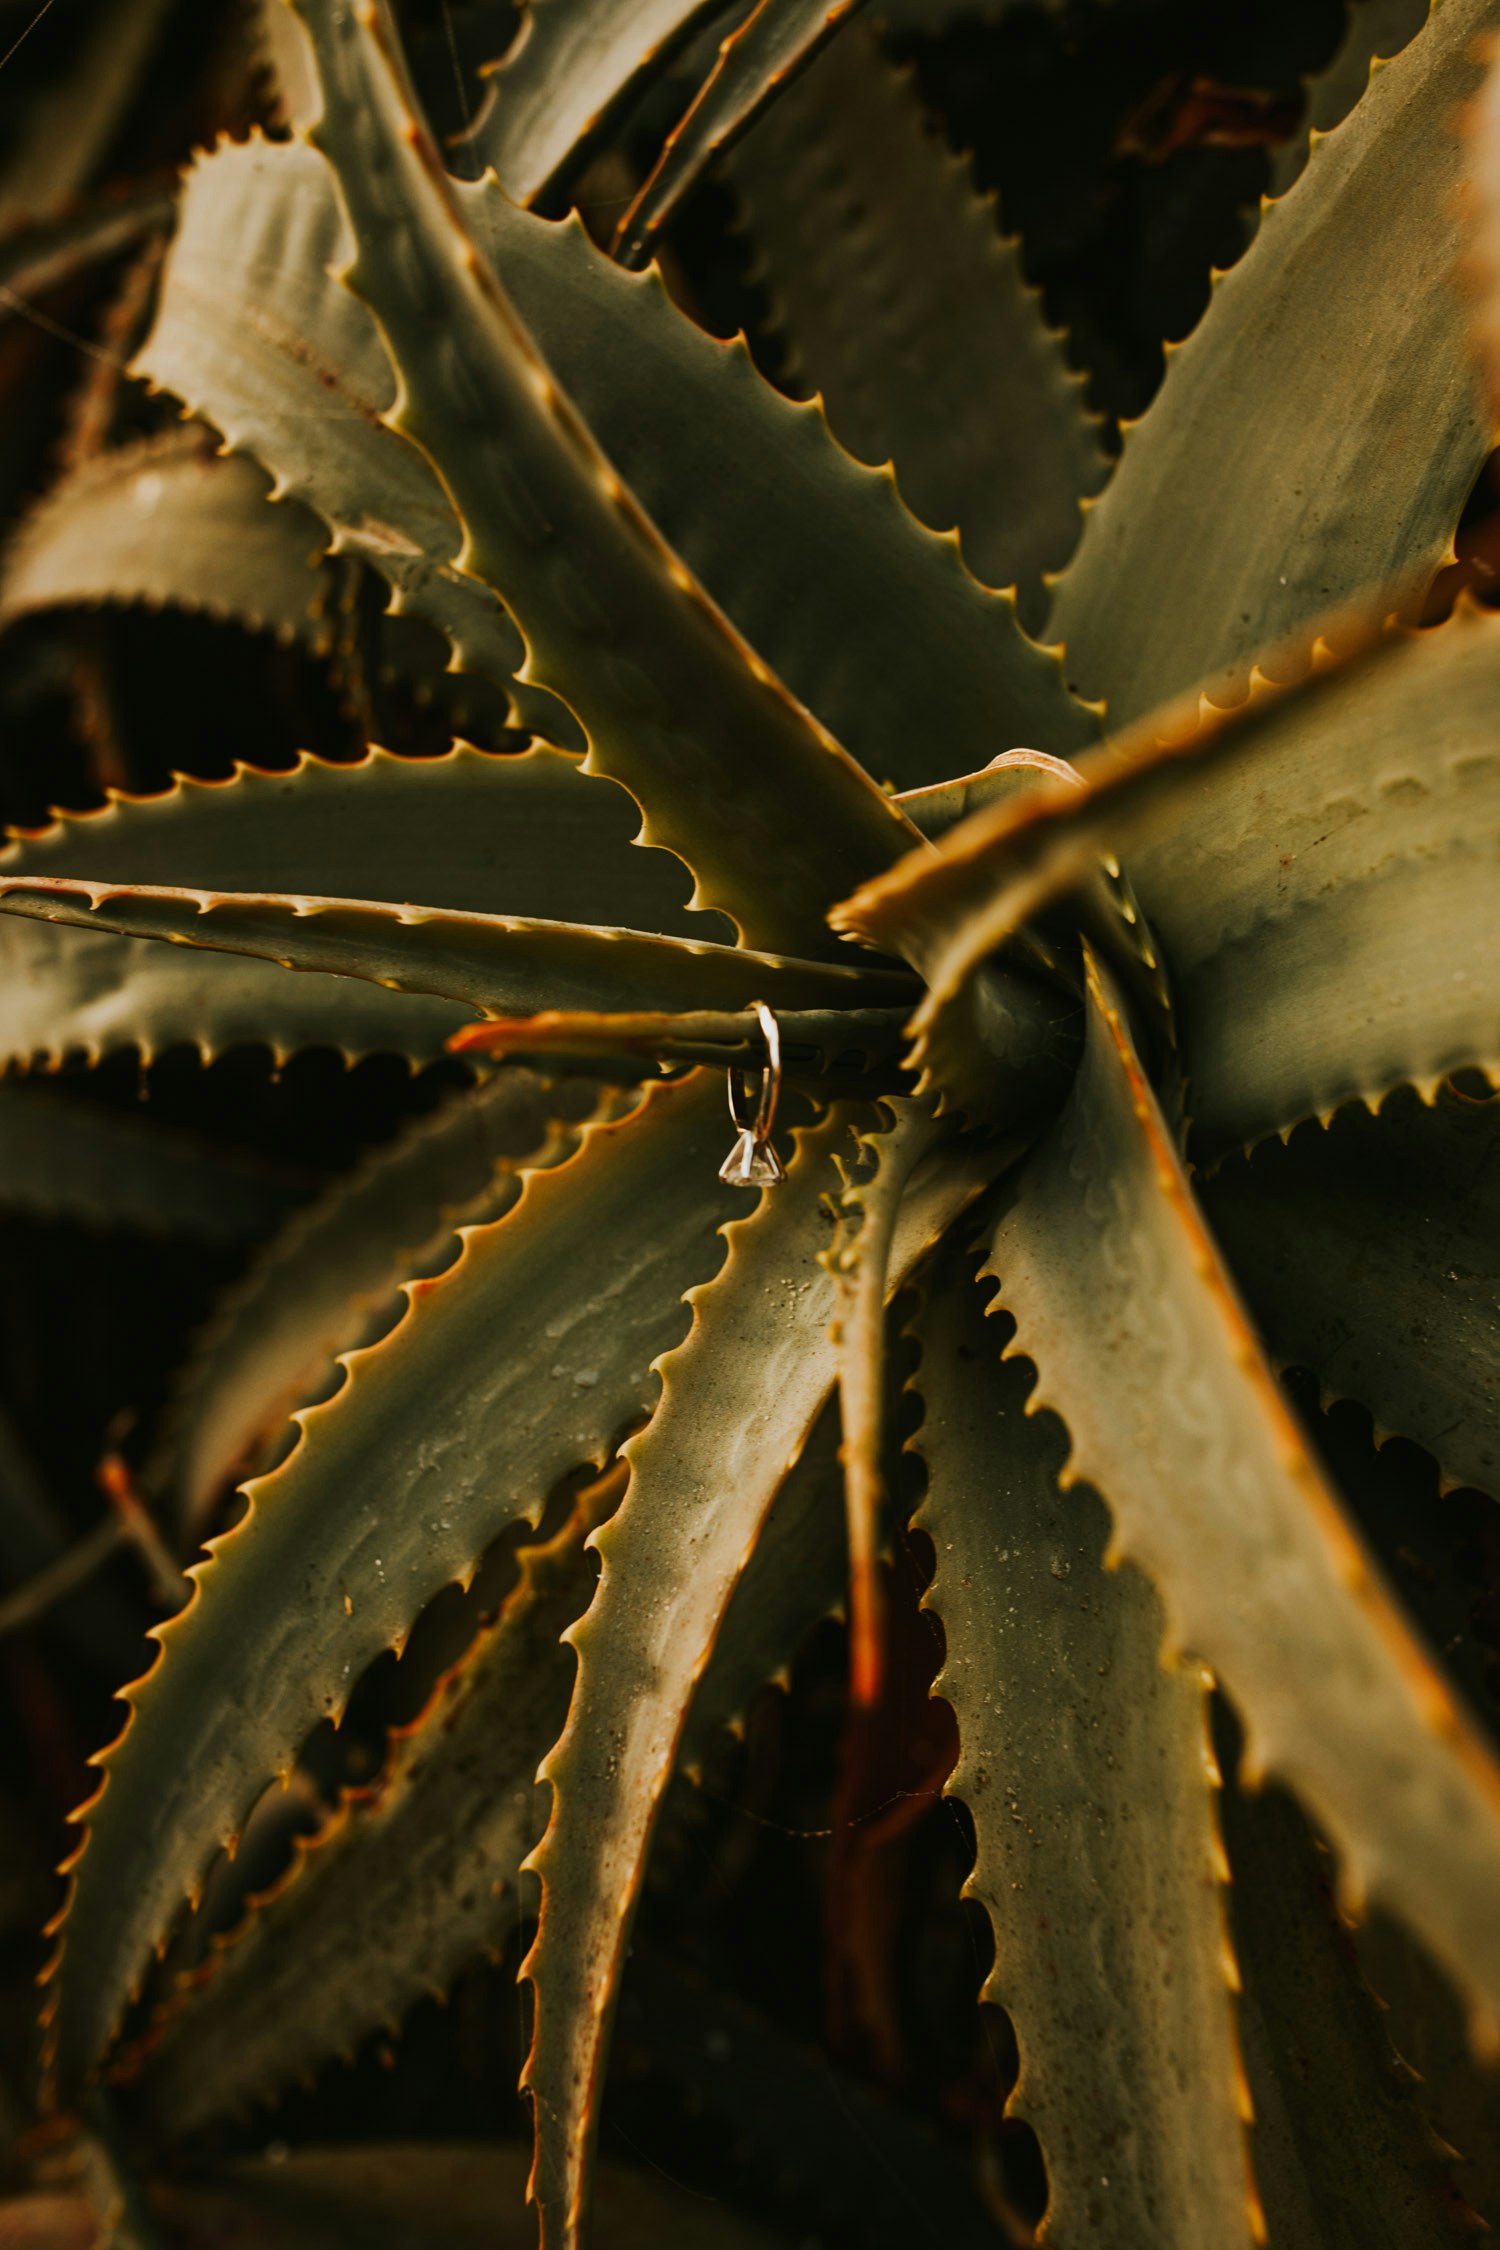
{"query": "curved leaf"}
[(776, 40), (418, 1875), (409, 1881), (286, 60), (1087, 1768), (442, 1435), (1329, 925), (1315, 868), (1369, 1251), (274, 1338), (1143, 1350), (904, 307), (168, 523), (485, 961), (674, 703), (739, 1400), (256, 338), (572, 69), (1249, 503), (522, 835), (814, 559), (797, 1575), (868, 1210), (810, 555), (1375, 30)]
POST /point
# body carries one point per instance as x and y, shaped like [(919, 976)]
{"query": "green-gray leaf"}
[(1086, 1765), (674, 703), (489, 962), (524, 835), (1317, 868), (168, 523), (904, 307), (1143, 1349), (571, 69), (311, 1294), (253, 335), (738, 1402), (776, 40), (1250, 503), (443, 1434)]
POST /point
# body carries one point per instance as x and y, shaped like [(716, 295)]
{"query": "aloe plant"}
[(1127, 936)]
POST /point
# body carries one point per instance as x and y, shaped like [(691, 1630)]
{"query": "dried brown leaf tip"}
[(467, 727)]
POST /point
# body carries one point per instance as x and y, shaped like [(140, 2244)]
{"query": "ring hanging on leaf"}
[(753, 1162)]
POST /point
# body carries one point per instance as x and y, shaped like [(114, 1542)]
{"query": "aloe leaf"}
[(167, 523), (442, 1436), (310, 1295), (571, 70), (419, 1874), (776, 40), (1087, 1768), (77, 1160), (904, 307), (1351, 943), (739, 1399), (808, 554), (254, 336), (1197, 557), (1312, 868), (868, 1210), (796, 1576), (528, 835), (498, 961), (674, 703), (1369, 1251), (408, 1882), (1343, 2156), (813, 557), (1143, 1350), (941, 805), (285, 58), (1375, 31)]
